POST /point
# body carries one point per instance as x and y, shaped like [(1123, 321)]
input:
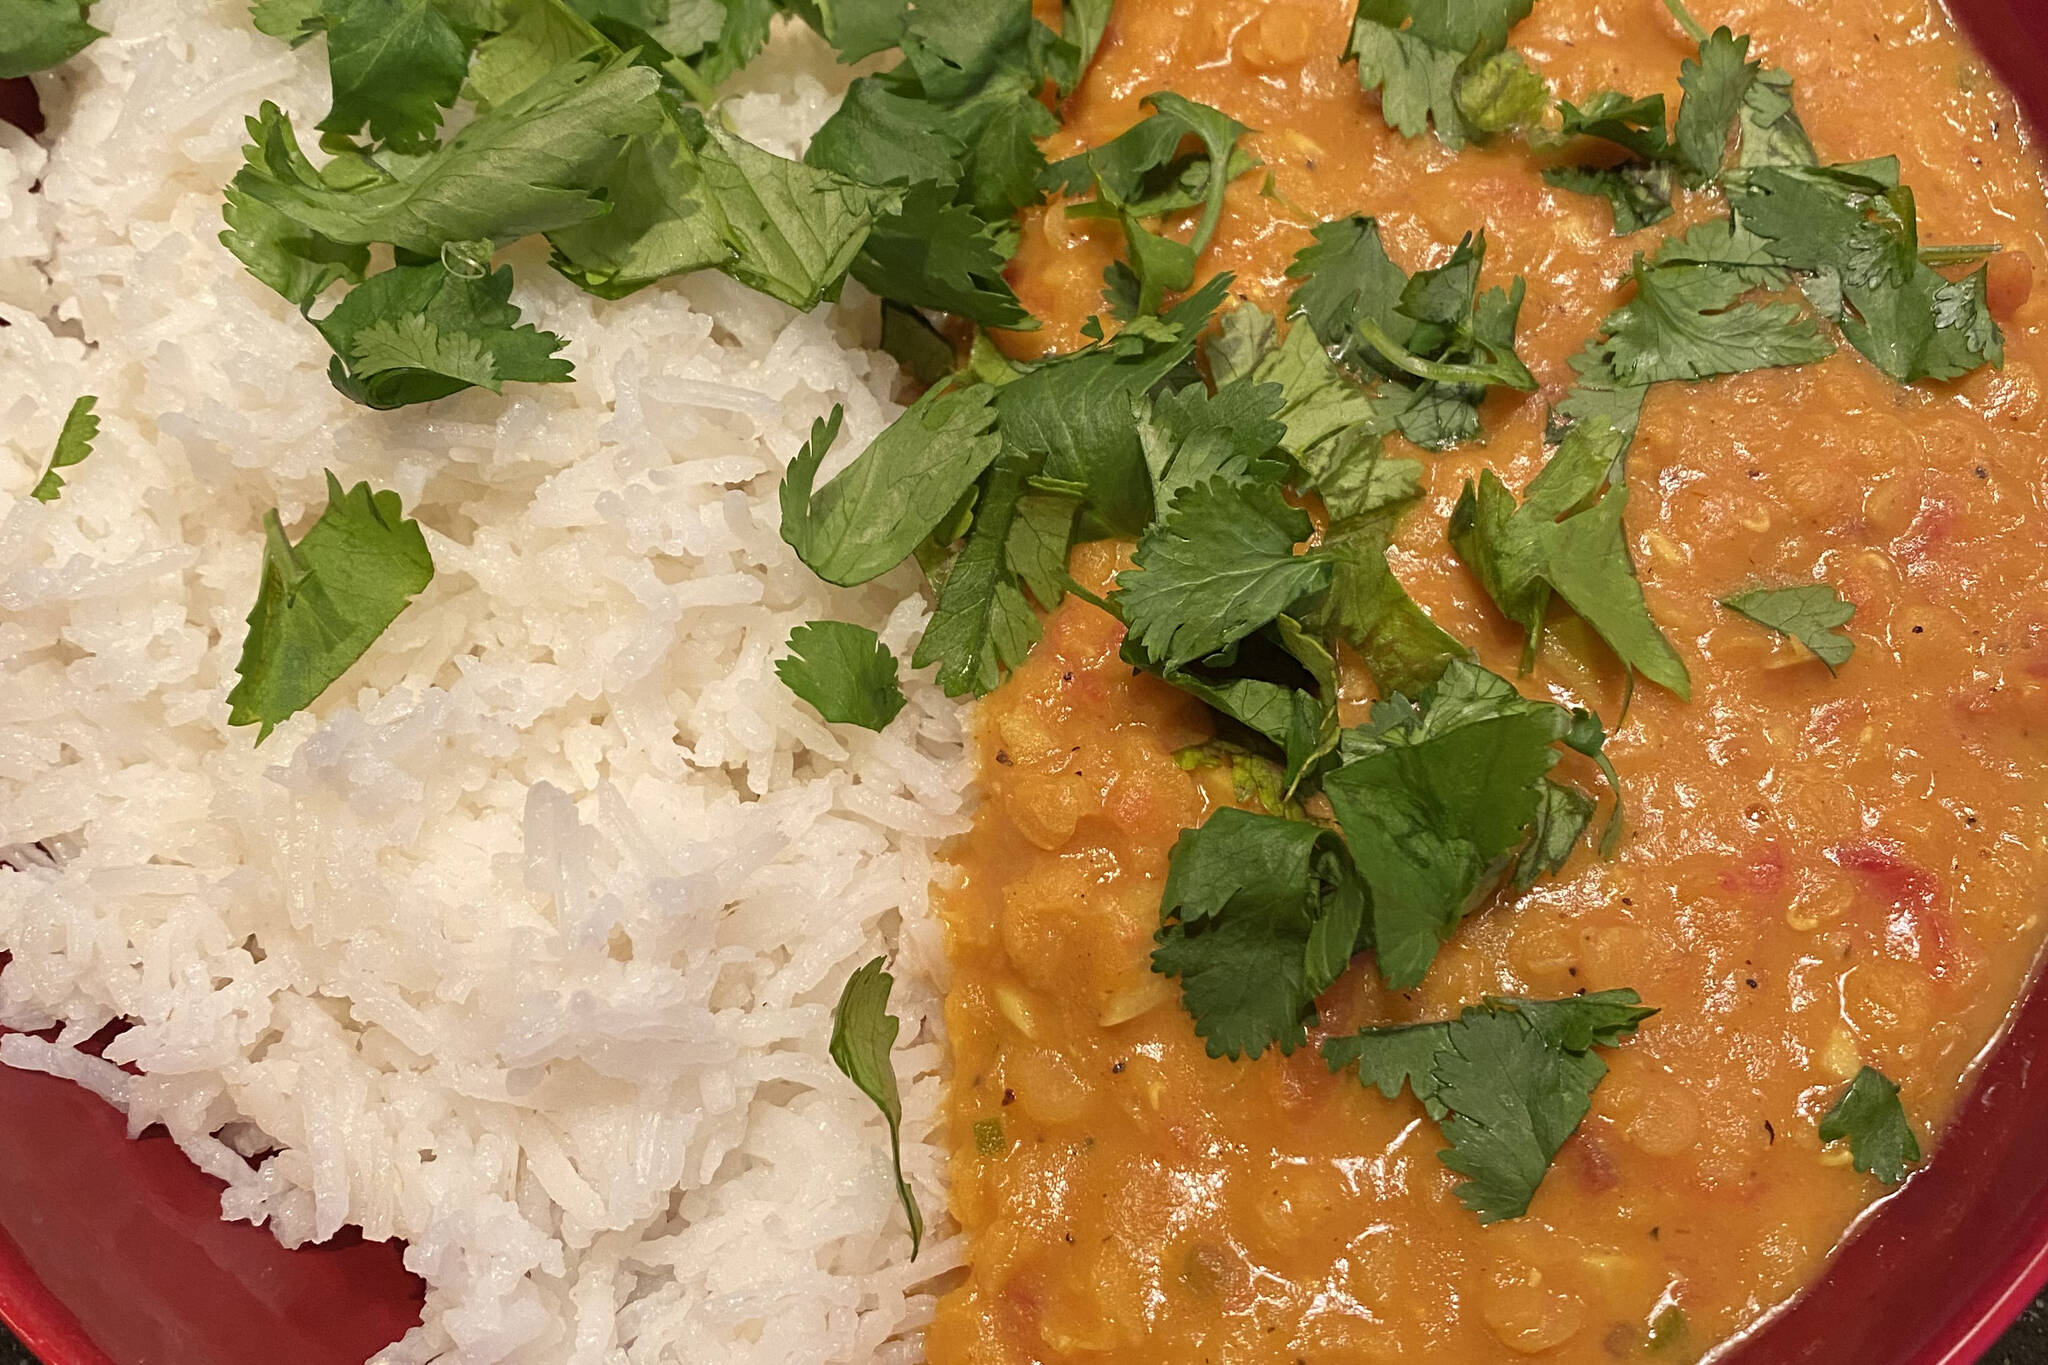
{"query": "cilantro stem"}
[(693, 84), (1959, 253), (1692, 27)]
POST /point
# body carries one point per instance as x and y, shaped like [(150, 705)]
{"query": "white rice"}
[(521, 946)]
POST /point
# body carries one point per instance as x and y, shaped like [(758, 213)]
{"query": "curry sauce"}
[(1820, 871)]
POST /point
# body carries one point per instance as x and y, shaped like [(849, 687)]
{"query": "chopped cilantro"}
[(793, 229), (843, 671), (863, 1033), (393, 65), (1509, 1080), (1809, 613), (1638, 192), (1428, 62), (1142, 175), (74, 442), (1434, 798), (527, 165), (1716, 85), (1684, 323), (1428, 345), (324, 601), (1259, 916), (1869, 1115), (415, 333), (956, 123), (1566, 537), (1854, 231), (1214, 568), (36, 35), (1634, 124), (871, 515), (982, 623), (918, 346)]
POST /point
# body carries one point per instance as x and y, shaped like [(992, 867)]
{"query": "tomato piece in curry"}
[(1820, 871)]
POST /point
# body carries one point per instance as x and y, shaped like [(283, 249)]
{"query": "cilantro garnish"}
[(74, 442), (1217, 566), (1428, 345), (36, 35), (324, 601), (956, 123), (1869, 1115), (1142, 175), (1810, 613), (1509, 1080), (1853, 231), (1435, 796), (844, 671), (1566, 537), (1259, 916), (863, 1033), (393, 65), (870, 517), (1428, 62), (1639, 193), (415, 333), (982, 623)]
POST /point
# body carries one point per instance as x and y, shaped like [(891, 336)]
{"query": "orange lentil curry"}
[(1820, 871)]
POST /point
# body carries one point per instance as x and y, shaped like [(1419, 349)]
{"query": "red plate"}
[(112, 1252)]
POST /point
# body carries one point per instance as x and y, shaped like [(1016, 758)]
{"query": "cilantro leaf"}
[(324, 601), (858, 28), (1191, 435), (877, 510), (1433, 798), (957, 124), (1142, 175), (665, 220), (1366, 605), (1869, 1115), (415, 333), (36, 35), (1562, 814), (1771, 133), (1040, 539), (1074, 413), (794, 228), (1395, 1056), (1567, 537), (1716, 86), (1638, 192), (1316, 400), (915, 344), (1217, 566), (1258, 917), (844, 671), (394, 65), (934, 253), (1684, 324), (982, 624), (1808, 613), (1393, 330), (298, 263), (1636, 124), (1854, 229), (527, 165), (74, 442), (1417, 55), (1514, 1099), (1509, 1080), (863, 1034)]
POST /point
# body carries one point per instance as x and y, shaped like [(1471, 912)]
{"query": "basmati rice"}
[(520, 946)]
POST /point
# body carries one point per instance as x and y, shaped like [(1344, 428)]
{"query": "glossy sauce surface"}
[(1821, 871)]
